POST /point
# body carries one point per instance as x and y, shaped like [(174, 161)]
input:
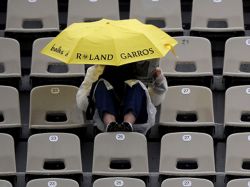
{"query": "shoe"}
[(127, 127), (111, 127), (117, 127)]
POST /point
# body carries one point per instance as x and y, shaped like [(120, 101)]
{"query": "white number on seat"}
[(32, 1), (248, 90), (186, 183), (52, 184), (248, 184), (185, 91), (186, 138), (120, 137), (248, 42), (217, 1), (93, 1), (53, 138), (55, 90), (118, 183)]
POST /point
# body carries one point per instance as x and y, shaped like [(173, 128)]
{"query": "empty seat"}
[(9, 108), (120, 154), (32, 16), (7, 156), (4, 183), (54, 107), (164, 14), (187, 106), (47, 70), (54, 154), (52, 182), (238, 155), (236, 68), (10, 62), (237, 107), (239, 183), (187, 154), (192, 182), (92, 10), (194, 62), (122, 181), (217, 15)]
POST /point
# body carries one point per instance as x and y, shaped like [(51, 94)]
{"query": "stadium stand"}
[(23, 26)]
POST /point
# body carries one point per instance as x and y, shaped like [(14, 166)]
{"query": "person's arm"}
[(158, 89), (91, 76)]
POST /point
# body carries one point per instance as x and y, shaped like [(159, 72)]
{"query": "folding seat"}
[(193, 182), (194, 62), (119, 181), (92, 10), (164, 14), (54, 107), (54, 154), (52, 182), (9, 108), (238, 155), (4, 183), (32, 16), (237, 109), (120, 154), (10, 62), (187, 106), (45, 70), (239, 183), (236, 68), (217, 16), (187, 154), (7, 156)]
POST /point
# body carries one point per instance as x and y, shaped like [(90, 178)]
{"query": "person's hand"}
[(157, 73)]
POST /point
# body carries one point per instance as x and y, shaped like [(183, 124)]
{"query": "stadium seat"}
[(217, 16), (193, 64), (52, 182), (239, 183), (4, 183), (187, 154), (32, 16), (92, 10), (237, 108), (10, 62), (192, 182), (54, 154), (54, 107), (7, 156), (120, 154), (45, 70), (236, 68), (238, 155), (187, 106), (122, 181), (164, 14)]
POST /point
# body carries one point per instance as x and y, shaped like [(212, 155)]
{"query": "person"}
[(122, 101)]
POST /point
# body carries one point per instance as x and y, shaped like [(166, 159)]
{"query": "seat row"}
[(193, 64), (207, 15)]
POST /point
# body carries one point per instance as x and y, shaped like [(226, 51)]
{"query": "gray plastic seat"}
[(7, 155), (119, 181), (44, 67), (10, 60), (54, 107), (9, 108), (32, 16), (194, 59), (187, 106), (236, 62), (54, 154), (92, 10), (239, 183), (120, 154), (187, 154), (237, 107), (4, 183), (52, 182), (193, 182), (238, 155), (164, 14), (217, 15)]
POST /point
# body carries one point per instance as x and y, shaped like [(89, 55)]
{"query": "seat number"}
[(186, 138), (53, 138), (52, 184), (185, 91), (119, 183), (120, 137), (186, 183)]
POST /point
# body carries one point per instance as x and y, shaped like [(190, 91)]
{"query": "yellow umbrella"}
[(109, 42)]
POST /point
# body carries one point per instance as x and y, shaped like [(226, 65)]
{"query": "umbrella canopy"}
[(109, 42)]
